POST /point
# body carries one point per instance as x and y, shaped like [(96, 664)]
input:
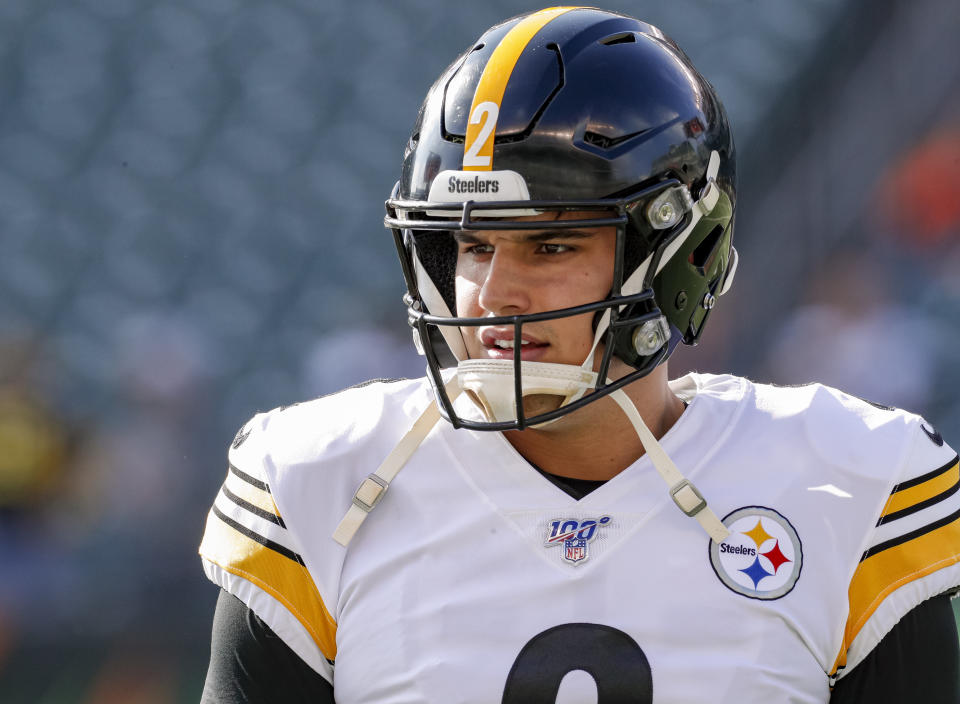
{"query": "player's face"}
[(514, 272)]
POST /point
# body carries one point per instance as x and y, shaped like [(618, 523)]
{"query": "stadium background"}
[(190, 230)]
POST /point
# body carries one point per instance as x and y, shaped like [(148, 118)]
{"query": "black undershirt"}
[(918, 661), (577, 488), (250, 664)]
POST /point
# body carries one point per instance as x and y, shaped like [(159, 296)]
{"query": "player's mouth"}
[(500, 344)]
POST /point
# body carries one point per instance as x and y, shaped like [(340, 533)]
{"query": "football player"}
[(570, 525)]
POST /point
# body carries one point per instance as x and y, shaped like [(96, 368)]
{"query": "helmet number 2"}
[(617, 664), (485, 115)]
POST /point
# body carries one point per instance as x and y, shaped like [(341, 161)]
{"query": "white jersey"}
[(478, 580)]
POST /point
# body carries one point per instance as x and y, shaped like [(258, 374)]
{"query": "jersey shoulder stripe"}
[(921, 492), (251, 497), (913, 535), (915, 507), (246, 537), (248, 479), (255, 536), (928, 539), (894, 562), (912, 553)]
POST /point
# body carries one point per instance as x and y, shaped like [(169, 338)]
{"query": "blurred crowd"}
[(100, 516), (880, 317)]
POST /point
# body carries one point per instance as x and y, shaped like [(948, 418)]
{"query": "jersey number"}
[(614, 660)]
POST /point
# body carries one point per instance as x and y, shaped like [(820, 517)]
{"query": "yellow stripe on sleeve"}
[(482, 121), (881, 573), (283, 578), (905, 498)]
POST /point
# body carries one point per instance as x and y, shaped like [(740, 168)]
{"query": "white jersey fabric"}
[(476, 579)]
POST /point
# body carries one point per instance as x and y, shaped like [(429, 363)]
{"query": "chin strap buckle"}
[(370, 493), (684, 494), (688, 498)]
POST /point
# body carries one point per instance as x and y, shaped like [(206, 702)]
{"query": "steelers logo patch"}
[(762, 557)]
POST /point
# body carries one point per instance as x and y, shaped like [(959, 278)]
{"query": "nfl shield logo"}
[(574, 550)]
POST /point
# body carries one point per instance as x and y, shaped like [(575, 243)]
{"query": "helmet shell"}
[(596, 105)]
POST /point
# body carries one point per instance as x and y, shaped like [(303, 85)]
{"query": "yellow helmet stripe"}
[(482, 122)]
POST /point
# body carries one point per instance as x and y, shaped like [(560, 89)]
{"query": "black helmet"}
[(572, 109)]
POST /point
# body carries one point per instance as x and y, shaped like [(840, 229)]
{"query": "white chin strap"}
[(490, 382), (684, 494)]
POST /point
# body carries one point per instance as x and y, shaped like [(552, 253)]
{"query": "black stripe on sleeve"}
[(907, 537), (255, 510), (926, 477), (256, 537), (248, 479), (943, 495)]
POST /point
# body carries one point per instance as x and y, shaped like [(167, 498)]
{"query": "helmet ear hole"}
[(437, 254), (703, 256)]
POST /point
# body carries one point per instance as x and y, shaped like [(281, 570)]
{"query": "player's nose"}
[(504, 290)]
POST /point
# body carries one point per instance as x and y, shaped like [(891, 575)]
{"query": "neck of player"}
[(597, 441)]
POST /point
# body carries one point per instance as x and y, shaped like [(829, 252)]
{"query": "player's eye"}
[(476, 249), (554, 248)]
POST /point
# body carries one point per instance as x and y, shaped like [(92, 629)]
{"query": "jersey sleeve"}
[(248, 550), (912, 553)]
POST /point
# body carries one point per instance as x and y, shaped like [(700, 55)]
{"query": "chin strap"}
[(372, 489), (490, 384), (684, 494)]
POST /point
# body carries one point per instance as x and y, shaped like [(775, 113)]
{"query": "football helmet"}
[(568, 109)]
